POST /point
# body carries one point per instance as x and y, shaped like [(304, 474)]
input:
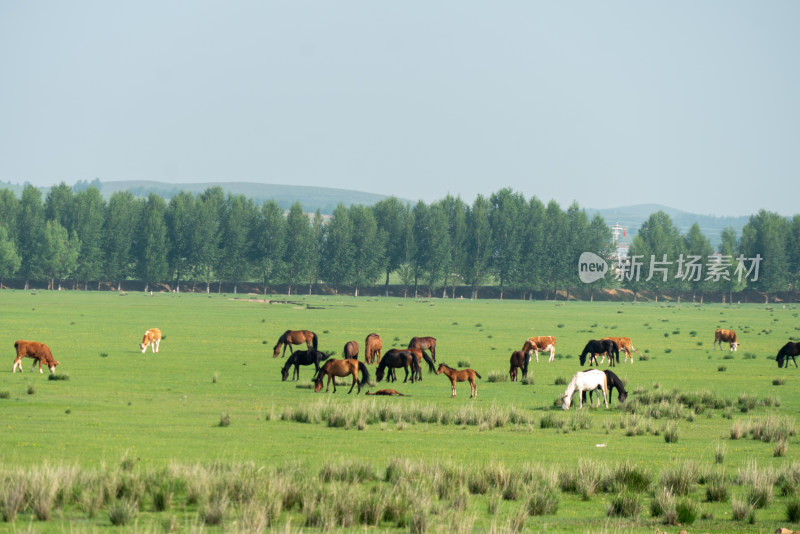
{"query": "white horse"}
[(585, 381)]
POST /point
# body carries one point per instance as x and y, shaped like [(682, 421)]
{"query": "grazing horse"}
[(334, 368), (424, 343), (153, 338), (372, 348), (625, 345), (613, 381), (519, 360), (303, 357), (395, 359), (595, 347), (38, 351), (294, 337), (540, 343), (387, 392), (350, 350), (728, 336), (421, 355), (790, 350), (460, 375), (585, 381)]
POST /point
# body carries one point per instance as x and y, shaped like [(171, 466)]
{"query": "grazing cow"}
[(38, 351), (727, 336), (372, 348), (540, 343), (625, 344), (153, 338)]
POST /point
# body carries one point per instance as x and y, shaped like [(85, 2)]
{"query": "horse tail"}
[(364, 374), (476, 374), (428, 360), (314, 339)]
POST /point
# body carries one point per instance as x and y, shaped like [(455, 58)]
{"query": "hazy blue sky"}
[(692, 104)]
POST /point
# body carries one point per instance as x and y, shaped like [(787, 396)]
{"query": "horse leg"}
[(453, 384), (474, 387), (406, 378), (355, 379)]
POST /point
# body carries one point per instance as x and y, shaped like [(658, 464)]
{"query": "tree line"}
[(504, 240)]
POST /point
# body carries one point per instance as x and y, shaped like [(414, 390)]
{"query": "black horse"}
[(395, 359), (304, 357), (421, 355), (613, 382), (595, 347), (790, 350)]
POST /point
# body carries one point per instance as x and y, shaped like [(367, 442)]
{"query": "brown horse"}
[(294, 337), (372, 348), (350, 350), (460, 375), (425, 343), (519, 360), (334, 368), (387, 392)]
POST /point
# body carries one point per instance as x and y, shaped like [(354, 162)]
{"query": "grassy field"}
[(213, 397)]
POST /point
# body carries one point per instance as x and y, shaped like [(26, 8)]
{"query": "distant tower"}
[(616, 231)]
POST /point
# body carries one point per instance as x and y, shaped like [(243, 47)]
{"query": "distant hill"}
[(311, 198), (632, 217), (327, 198)]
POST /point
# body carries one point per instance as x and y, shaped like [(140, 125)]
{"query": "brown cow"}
[(540, 343), (625, 344), (38, 351), (728, 336), (153, 338), (372, 348)]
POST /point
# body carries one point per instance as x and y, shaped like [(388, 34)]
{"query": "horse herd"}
[(411, 358)]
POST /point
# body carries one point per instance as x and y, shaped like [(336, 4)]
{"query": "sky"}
[(690, 104)]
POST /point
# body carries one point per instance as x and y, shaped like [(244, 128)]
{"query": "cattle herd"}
[(411, 358)]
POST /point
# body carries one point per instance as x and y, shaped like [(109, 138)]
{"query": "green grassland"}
[(216, 362)]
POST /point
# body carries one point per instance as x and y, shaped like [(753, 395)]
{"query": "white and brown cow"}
[(540, 343), (625, 344), (38, 351), (726, 336), (153, 338)]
